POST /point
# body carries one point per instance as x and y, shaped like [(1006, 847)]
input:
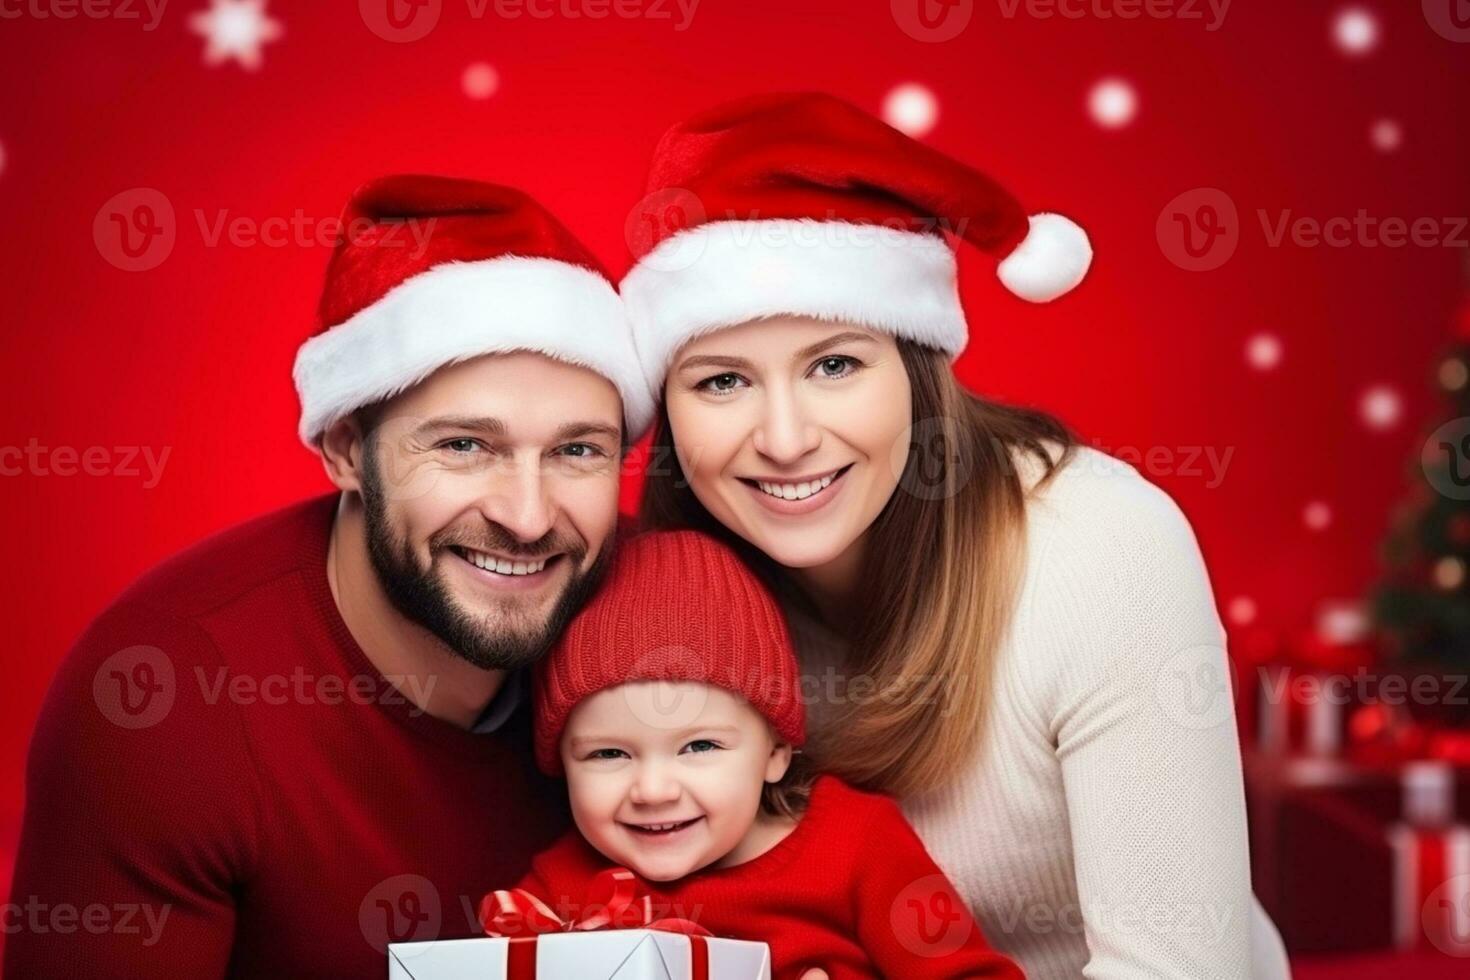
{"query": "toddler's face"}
[(665, 777)]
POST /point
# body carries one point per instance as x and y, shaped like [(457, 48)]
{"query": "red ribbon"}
[(612, 902)]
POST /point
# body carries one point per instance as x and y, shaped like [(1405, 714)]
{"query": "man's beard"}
[(422, 595)]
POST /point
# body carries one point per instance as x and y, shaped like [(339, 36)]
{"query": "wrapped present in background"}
[(1431, 855), (1347, 856)]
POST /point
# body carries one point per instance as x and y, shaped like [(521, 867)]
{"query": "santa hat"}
[(433, 270), (676, 606), (805, 205)]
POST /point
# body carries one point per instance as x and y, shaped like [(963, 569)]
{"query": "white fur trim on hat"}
[(461, 310), (728, 272), (1050, 261)]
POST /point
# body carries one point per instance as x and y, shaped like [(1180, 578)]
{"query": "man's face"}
[(491, 493)]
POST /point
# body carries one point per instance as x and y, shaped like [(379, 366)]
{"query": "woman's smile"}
[(791, 497)]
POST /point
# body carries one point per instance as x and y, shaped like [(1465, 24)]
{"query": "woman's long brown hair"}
[(943, 563)]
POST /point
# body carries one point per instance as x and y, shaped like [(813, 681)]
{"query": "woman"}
[(1012, 633)]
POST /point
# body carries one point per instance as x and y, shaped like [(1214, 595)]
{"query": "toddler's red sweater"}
[(850, 890)]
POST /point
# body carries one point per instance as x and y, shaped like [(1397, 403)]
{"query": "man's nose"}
[(519, 499)]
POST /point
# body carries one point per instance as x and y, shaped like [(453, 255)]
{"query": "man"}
[(300, 740)]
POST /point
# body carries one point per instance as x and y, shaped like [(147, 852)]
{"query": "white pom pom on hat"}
[(1051, 260)]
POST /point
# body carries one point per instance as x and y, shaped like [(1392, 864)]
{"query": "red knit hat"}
[(677, 606), (435, 270), (804, 205)]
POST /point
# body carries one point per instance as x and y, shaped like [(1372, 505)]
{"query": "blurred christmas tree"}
[(1423, 606)]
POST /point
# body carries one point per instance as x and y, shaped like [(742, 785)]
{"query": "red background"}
[(194, 355)]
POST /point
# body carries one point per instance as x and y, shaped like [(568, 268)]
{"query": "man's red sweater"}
[(851, 890), (274, 807)]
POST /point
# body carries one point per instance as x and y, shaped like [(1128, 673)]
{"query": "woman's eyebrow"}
[(832, 341), (714, 360), (731, 361)]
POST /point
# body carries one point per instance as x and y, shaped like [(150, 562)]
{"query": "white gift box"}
[(604, 954)]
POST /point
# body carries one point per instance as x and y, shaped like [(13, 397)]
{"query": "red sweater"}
[(284, 827), (850, 890)]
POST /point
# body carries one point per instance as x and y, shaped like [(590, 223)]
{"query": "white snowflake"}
[(1113, 103), (235, 29), (480, 80), (1263, 351), (1355, 31), (1381, 407), (911, 109)]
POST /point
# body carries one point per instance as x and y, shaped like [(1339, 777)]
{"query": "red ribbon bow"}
[(612, 903)]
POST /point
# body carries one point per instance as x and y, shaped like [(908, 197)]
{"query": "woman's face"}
[(792, 431)]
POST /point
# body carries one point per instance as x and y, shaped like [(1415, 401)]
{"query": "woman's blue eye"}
[(705, 742), (836, 367), (606, 754), (721, 383)]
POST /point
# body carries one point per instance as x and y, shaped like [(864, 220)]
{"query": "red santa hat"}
[(805, 205), (434, 270)]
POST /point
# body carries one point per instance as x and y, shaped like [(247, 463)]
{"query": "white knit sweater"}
[(1101, 832)]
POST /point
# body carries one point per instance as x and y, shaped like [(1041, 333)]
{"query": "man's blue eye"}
[(462, 445)]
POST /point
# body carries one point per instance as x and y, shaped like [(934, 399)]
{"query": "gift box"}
[(604, 954), (1431, 853), (613, 936)]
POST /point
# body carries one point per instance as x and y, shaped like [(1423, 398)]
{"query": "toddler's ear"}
[(779, 761)]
